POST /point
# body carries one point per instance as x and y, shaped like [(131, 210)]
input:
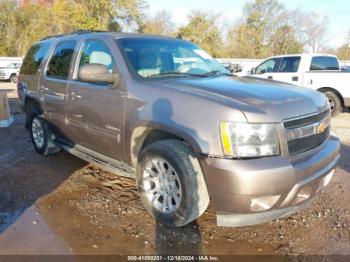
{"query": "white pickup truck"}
[(320, 72), (10, 72)]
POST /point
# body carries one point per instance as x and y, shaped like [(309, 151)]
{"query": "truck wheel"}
[(13, 78), (171, 183), (334, 103), (42, 137)]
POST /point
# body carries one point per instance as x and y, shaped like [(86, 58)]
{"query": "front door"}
[(267, 69), (95, 111), (288, 71)]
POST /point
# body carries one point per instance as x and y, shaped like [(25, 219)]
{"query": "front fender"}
[(193, 118)]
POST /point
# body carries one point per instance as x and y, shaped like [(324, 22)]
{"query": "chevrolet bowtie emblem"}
[(321, 128)]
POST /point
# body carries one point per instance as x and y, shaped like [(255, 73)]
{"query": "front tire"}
[(42, 137), (171, 183), (334, 103), (13, 78)]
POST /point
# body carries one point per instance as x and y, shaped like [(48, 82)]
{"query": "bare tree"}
[(312, 30), (160, 24)]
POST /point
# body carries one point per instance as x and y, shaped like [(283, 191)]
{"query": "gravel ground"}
[(63, 205)]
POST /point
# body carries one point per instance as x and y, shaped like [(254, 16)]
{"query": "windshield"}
[(168, 57)]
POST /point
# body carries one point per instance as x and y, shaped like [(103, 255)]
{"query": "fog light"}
[(303, 194), (263, 203), (325, 181), (328, 178)]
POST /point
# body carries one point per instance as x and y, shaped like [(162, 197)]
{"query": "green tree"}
[(8, 28), (204, 31), (31, 20)]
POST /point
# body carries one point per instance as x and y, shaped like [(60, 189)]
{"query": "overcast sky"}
[(338, 12)]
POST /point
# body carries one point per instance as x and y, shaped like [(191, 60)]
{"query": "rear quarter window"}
[(324, 63), (34, 58)]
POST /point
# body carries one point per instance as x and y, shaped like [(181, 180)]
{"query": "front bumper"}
[(5, 77), (248, 192)]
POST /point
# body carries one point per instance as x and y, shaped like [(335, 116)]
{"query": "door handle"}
[(270, 77), (295, 78), (74, 95)]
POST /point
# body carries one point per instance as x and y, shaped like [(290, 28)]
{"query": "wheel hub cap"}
[(331, 104), (38, 132), (161, 185)]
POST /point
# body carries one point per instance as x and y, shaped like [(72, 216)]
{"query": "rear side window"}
[(324, 63), (34, 57), (61, 59), (289, 64)]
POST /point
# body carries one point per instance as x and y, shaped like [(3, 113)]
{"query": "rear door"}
[(30, 69), (53, 85), (319, 67), (288, 70), (97, 107)]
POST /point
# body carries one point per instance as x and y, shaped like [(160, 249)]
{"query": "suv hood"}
[(260, 100)]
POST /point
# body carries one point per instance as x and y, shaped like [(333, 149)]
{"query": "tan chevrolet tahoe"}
[(163, 111)]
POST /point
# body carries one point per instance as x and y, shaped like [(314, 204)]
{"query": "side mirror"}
[(253, 71), (97, 73)]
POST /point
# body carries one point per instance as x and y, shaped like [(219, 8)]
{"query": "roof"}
[(106, 33), (305, 55)]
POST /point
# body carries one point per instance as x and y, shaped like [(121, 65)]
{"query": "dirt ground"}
[(63, 205)]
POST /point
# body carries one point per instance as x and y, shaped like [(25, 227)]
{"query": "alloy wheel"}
[(161, 185), (38, 132), (331, 104)]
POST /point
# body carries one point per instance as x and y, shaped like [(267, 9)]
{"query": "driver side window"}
[(96, 52), (269, 66)]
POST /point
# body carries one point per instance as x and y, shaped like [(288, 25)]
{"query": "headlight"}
[(249, 140)]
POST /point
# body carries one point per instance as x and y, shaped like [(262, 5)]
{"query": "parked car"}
[(163, 111), (345, 69), (320, 72), (10, 72), (233, 68)]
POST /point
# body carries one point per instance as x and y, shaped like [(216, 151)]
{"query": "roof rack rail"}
[(83, 31), (76, 32)]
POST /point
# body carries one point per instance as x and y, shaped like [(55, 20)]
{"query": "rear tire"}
[(334, 103), (171, 183), (42, 137)]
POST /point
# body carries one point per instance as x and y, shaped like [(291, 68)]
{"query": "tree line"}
[(265, 28)]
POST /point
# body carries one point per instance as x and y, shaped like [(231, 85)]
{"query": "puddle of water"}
[(85, 238), (52, 232), (30, 235)]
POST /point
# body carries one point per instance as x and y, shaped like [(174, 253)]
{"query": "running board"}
[(111, 165)]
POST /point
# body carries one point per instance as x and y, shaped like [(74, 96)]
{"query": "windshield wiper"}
[(171, 74), (215, 72)]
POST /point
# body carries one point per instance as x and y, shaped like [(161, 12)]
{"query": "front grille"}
[(306, 133), (304, 121), (305, 144)]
